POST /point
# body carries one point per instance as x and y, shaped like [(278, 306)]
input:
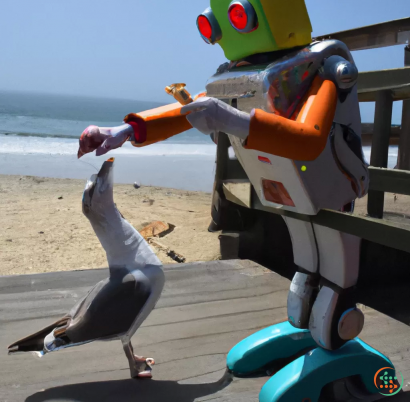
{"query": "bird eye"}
[(242, 16), (208, 27)]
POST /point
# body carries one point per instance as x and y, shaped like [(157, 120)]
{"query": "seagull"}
[(115, 307)]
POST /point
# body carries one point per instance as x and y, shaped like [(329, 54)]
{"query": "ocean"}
[(55, 118), (39, 136)]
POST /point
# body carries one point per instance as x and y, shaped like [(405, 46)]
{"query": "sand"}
[(186, 172), (396, 208), (41, 232), (43, 228)]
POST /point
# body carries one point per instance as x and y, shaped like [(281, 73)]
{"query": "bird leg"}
[(140, 367)]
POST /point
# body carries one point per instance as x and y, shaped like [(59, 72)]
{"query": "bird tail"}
[(35, 342)]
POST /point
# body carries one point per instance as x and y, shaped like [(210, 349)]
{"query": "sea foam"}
[(10, 144)]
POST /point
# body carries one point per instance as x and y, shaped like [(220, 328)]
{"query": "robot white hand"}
[(103, 139), (210, 115)]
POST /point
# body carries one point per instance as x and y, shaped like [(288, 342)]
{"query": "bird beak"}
[(106, 168), (99, 182), (79, 153), (105, 177)]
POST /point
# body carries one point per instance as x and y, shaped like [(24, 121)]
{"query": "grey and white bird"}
[(115, 307)]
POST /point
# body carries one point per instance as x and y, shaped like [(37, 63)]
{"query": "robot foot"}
[(269, 350), (351, 373)]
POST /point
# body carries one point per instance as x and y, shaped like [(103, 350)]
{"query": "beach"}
[(185, 172), (44, 229)]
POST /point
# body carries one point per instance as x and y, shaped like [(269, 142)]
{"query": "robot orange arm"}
[(303, 139), (158, 124), (141, 129)]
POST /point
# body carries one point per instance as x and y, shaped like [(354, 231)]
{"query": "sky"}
[(132, 49)]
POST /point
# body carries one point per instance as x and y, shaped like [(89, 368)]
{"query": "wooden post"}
[(380, 148), (218, 197), (222, 158), (403, 160)]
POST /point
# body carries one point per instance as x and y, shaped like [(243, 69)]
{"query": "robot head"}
[(247, 27)]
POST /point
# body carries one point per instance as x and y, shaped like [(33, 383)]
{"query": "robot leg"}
[(305, 284), (273, 347), (343, 368), (335, 318)]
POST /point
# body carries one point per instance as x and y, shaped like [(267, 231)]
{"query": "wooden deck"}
[(205, 309)]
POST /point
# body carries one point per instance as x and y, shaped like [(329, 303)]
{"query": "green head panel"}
[(282, 24)]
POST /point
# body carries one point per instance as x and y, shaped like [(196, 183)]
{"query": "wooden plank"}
[(397, 93), (229, 245), (205, 309), (222, 157), (374, 36), (403, 159), (390, 180), (396, 80), (381, 231), (380, 148), (221, 170), (367, 134)]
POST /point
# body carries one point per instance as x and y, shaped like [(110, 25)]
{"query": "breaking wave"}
[(63, 145)]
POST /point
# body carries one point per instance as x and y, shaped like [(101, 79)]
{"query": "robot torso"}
[(334, 178)]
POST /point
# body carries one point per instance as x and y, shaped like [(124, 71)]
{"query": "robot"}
[(291, 111)]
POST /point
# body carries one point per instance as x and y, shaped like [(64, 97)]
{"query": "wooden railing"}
[(384, 87), (374, 36), (367, 134)]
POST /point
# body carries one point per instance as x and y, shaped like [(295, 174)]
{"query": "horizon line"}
[(78, 96)]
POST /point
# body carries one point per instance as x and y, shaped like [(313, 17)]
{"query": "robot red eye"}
[(242, 16), (204, 27), (208, 27)]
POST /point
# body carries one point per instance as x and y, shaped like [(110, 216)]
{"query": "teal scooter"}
[(304, 372)]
